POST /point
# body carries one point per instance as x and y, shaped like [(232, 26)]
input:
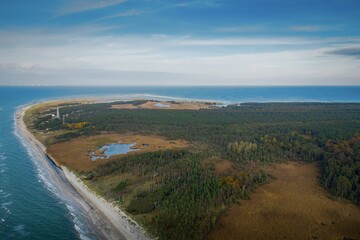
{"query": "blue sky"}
[(158, 42)]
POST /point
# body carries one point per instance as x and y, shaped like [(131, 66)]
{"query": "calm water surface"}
[(115, 149)]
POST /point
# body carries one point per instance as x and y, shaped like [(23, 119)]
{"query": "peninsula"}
[(195, 170)]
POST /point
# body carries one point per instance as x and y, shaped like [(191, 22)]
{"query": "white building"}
[(57, 113)]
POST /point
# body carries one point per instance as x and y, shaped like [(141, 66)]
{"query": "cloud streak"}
[(241, 29), (349, 52), (78, 6), (311, 28), (171, 60), (129, 13)]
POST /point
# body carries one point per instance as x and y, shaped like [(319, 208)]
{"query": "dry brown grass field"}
[(292, 206), (73, 153)]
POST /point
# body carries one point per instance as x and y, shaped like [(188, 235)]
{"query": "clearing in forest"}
[(75, 152)]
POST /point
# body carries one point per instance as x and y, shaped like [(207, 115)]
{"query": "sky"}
[(170, 42)]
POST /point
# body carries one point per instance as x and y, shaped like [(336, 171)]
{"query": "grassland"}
[(74, 153), (292, 206)]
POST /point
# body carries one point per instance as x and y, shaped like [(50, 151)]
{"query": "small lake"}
[(114, 149), (161, 105)]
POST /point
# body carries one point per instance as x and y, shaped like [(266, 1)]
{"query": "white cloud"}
[(311, 28), (78, 58), (129, 13), (241, 29), (77, 6), (273, 28), (188, 4), (133, 12)]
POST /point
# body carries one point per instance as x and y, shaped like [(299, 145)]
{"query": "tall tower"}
[(57, 113)]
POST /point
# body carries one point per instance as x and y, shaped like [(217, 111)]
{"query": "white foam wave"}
[(45, 177), (79, 226), (83, 237), (42, 174), (7, 210), (6, 204), (5, 196), (49, 186)]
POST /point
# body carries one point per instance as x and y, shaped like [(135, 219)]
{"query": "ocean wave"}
[(46, 178), (21, 230), (5, 195), (42, 175), (49, 186), (83, 237), (79, 226), (6, 203), (4, 206)]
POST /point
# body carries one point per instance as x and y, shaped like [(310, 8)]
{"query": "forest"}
[(187, 193)]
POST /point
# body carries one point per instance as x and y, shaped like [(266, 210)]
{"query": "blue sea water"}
[(30, 205)]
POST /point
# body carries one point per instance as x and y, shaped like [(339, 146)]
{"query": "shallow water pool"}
[(114, 149)]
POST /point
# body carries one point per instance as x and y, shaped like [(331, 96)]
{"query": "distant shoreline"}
[(107, 219)]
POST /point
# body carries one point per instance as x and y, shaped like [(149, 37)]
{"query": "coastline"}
[(107, 219)]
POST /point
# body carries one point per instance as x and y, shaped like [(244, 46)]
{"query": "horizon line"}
[(201, 85)]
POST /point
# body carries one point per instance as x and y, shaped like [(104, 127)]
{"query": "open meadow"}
[(293, 205)]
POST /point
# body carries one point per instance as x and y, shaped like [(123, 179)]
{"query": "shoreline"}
[(107, 219)]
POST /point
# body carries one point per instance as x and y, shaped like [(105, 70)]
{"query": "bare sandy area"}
[(108, 220), (183, 105), (291, 206)]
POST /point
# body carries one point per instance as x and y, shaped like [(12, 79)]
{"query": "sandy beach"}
[(106, 218)]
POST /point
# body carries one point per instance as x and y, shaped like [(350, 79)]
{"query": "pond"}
[(113, 149)]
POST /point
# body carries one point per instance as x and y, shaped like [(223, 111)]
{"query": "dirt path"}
[(292, 206)]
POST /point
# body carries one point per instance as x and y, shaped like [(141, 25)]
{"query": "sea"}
[(31, 205)]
